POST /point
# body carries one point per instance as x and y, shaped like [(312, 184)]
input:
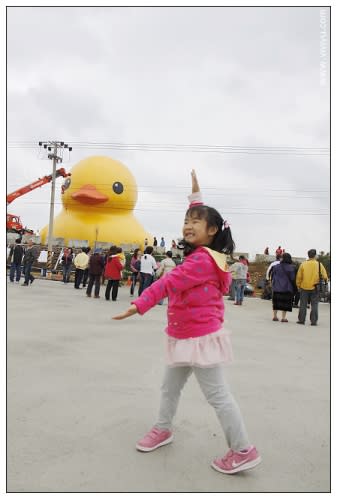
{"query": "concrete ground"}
[(82, 389)]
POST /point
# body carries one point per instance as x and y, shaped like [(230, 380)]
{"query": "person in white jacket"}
[(148, 266)]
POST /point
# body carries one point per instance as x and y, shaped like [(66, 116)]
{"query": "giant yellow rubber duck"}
[(98, 200)]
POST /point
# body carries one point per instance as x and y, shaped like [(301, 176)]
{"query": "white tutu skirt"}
[(203, 351)]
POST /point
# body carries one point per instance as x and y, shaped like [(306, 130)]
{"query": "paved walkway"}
[(82, 389)]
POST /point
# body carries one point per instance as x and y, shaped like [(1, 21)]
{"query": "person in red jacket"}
[(112, 272)]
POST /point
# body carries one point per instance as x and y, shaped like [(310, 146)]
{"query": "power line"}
[(143, 188), (219, 149), (33, 143)]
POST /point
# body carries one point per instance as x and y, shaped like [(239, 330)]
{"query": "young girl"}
[(196, 339)]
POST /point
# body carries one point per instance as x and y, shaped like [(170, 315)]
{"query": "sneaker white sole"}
[(245, 466), (149, 449)]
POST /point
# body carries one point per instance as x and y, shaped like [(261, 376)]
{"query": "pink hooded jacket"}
[(195, 290)]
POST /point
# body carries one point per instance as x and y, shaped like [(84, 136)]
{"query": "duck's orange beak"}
[(88, 194)]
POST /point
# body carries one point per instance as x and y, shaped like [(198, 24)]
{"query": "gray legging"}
[(216, 391), (305, 295)]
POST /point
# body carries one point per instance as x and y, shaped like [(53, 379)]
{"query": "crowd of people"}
[(83, 262), (288, 285), (93, 268), (22, 257), (291, 285)]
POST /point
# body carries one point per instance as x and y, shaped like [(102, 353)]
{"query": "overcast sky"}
[(248, 77)]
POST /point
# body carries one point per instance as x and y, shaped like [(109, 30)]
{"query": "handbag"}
[(319, 287)]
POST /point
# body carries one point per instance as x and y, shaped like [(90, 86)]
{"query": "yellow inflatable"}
[(98, 200)]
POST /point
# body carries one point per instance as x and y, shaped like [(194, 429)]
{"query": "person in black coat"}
[(15, 255), (86, 272), (31, 255), (96, 267)]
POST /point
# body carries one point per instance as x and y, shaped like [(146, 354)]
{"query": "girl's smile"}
[(196, 232)]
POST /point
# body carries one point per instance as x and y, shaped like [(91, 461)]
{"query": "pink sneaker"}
[(153, 439), (233, 462)]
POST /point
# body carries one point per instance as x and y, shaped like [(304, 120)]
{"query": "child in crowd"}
[(196, 339)]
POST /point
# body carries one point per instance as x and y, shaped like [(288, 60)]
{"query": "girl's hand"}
[(130, 311), (195, 185)]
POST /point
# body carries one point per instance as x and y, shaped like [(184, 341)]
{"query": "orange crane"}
[(13, 222)]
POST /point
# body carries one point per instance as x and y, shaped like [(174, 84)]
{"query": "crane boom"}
[(34, 185)]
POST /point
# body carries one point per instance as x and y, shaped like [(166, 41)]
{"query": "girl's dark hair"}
[(135, 252), (222, 240), (286, 258), (148, 250)]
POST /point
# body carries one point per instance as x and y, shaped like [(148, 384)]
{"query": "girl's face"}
[(196, 232)]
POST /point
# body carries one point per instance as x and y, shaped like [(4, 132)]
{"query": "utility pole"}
[(56, 155)]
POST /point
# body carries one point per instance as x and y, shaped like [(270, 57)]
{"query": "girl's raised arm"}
[(195, 184), (195, 197)]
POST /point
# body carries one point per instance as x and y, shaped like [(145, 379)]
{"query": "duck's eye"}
[(66, 184), (117, 187)]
